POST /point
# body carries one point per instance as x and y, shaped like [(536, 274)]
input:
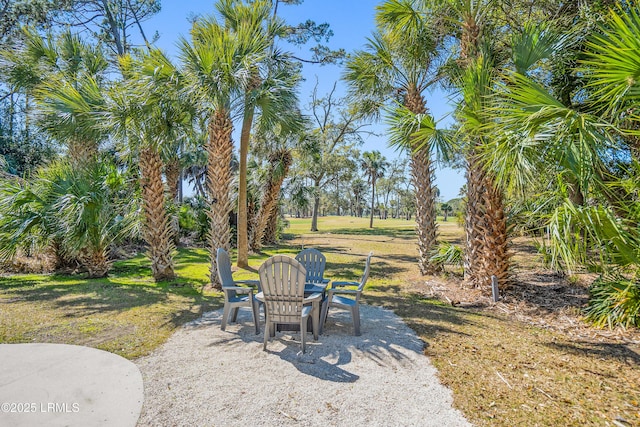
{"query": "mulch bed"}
[(538, 297)]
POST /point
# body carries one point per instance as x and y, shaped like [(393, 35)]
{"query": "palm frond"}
[(613, 63), (416, 132)]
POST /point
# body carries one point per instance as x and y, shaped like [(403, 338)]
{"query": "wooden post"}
[(495, 292)]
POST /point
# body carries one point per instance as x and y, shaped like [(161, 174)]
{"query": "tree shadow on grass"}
[(427, 317), (609, 351), (548, 293), (408, 233), (84, 297)]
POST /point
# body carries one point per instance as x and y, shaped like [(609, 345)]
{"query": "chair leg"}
[(303, 332), (267, 333), (323, 314), (255, 308), (355, 313), (234, 314), (314, 319), (225, 316)]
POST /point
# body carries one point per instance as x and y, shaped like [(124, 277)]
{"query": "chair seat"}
[(235, 299), (235, 296), (337, 300), (306, 311), (352, 304)]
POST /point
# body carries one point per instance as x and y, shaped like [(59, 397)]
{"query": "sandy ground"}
[(206, 377)]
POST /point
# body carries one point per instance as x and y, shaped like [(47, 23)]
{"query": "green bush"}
[(448, 254), (614, 301), (193, 219)]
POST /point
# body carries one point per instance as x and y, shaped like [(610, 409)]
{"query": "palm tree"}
[(67, 78), (396, 66), (374, 165), (467, 21), (76, 210), (446, 210), (254, 18), (277, 148), (146, 113), (358, 189), (218, 64)]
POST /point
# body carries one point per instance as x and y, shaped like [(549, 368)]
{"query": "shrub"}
[(614, 301), (193, 218), (448, 254)]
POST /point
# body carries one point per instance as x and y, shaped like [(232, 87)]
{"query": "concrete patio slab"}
[(67, 385)]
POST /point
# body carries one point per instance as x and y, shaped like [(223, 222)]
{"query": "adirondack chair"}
[(283, 280), (314, 262), (342, 294), (236, 296)]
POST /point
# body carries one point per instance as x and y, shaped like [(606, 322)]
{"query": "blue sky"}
[(352, 21)]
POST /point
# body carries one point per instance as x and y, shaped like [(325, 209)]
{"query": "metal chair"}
[(348, 299), (283, 280), (314, 262), (236, 296)]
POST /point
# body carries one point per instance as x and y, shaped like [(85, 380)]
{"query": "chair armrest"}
[(238, 289), (312, 298), (347, 283), (248, 282), (344, 291)]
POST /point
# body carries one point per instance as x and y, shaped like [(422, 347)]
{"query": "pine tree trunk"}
[(157, 230), (219, 152)]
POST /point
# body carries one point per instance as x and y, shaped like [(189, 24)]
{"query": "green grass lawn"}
[(126, 313), (502, 372)]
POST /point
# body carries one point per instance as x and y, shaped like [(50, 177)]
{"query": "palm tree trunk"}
[(316, 206), (485, 222), (426, 227), (486, 252), (81, 152), (280, 160), (96, 262), (496, 258), (422, 176), (157, 230), (474, 229), (245, 135), (271, 230), (242, 231), (373, 199), (219, 152), (172, 172)]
